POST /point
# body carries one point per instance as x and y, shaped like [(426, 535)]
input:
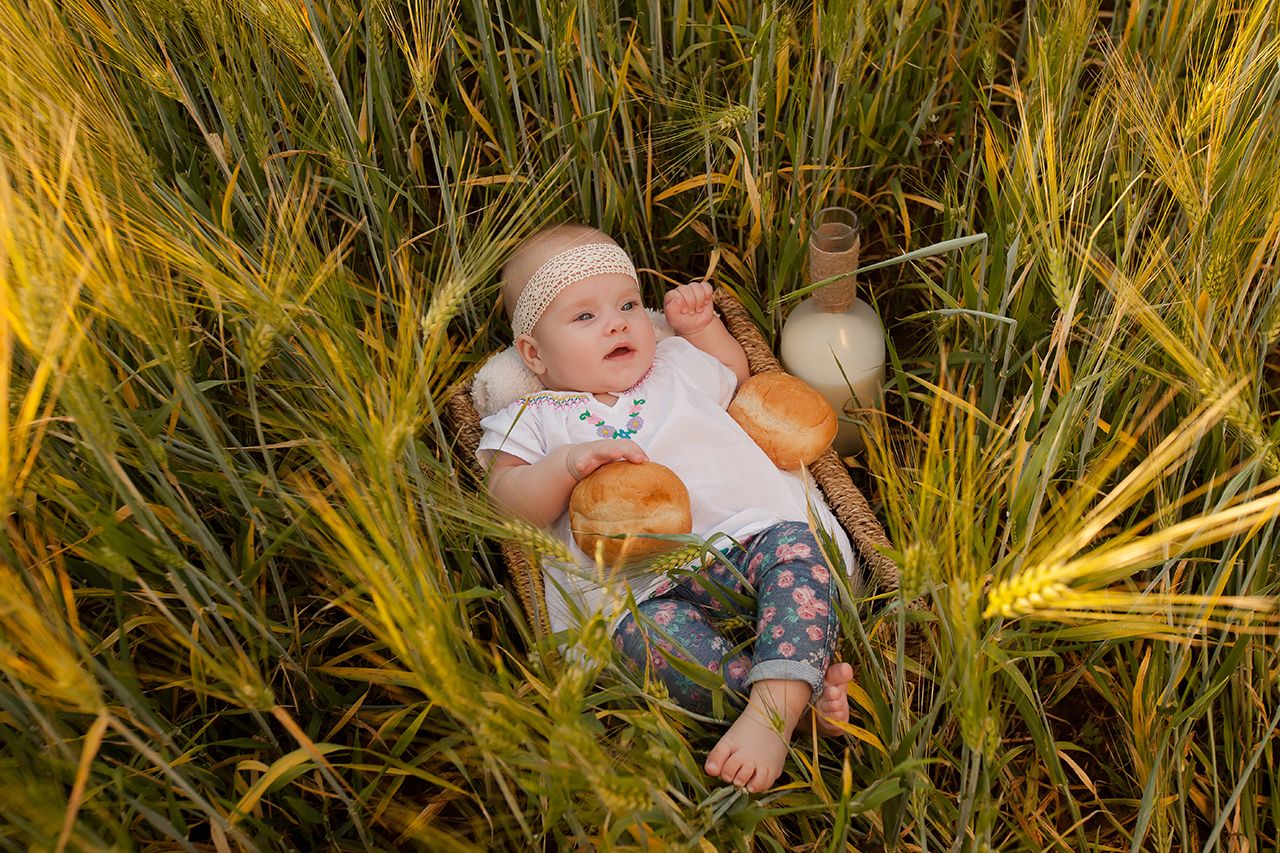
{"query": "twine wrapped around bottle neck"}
[(839, 294)]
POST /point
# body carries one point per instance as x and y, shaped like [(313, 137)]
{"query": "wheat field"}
[(251, 599)]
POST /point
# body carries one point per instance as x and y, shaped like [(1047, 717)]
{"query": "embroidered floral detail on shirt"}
[(556, 400), (633, 424)]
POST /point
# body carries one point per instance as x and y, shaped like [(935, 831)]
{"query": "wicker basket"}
[(846, 502)]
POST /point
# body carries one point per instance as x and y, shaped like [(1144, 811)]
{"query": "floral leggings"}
[(796, 622)]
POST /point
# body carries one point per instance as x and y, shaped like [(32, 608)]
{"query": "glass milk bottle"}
[(833, 340)]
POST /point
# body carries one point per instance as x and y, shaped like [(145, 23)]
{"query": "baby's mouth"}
[(620, 351)]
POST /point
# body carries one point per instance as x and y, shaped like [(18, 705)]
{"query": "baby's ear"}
[(527, 347)]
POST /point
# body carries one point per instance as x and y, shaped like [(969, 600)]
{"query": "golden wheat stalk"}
[(1154, 465), (1044, 584)]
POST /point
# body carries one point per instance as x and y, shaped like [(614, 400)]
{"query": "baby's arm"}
[(539, 492), (692, 316)]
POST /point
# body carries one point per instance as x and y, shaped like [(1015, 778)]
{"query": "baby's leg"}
[(796, 626), (831, 704), (679, 628)]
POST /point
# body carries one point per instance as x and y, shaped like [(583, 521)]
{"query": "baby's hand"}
[(590, 455), (689, 308)]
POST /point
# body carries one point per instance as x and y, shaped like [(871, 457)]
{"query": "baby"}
[(612, 392)]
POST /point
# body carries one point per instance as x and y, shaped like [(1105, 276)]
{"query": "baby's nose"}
[(617, 321)]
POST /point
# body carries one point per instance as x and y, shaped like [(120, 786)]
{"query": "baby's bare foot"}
[(832, 706), (752, 753)]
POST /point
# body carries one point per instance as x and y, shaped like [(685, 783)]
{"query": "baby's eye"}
[(584, 316), (627, 306)]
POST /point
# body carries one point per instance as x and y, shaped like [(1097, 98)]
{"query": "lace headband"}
[(562, 270)]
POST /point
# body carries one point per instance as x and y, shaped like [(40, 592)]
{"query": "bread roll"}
[(792, 423), (628, 497)]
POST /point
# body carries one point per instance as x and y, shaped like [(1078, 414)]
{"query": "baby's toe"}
[(740, 773), (716, 758), (731, 767), (760, 781)]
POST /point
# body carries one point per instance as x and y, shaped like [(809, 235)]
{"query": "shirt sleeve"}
[(514, 429), (701, 371)]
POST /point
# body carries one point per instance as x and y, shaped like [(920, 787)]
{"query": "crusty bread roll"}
[(628, 497), (792, 423)]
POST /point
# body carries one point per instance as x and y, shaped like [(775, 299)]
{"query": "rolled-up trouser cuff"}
[(789, 670)]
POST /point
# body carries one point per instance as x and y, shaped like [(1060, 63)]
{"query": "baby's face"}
[(595, 337)]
